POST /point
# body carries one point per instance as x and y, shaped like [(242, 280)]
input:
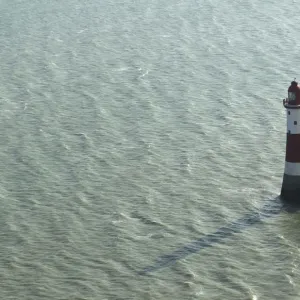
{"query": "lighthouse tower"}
[(290, 190)]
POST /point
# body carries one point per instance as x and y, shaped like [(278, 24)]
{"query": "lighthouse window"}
[(292, 96), (295, 122), (289, 112)]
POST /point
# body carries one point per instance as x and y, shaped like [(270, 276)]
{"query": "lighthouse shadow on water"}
[(270, 209), (288, 201)]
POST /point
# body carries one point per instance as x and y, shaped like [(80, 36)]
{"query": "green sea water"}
[(130, 129)]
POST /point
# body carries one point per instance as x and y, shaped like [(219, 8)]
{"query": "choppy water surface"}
[(132, 129)]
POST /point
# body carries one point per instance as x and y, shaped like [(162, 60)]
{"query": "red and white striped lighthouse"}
[(290, 190)]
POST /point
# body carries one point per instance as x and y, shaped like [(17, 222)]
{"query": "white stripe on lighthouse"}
[(293, 121), (292, 169)]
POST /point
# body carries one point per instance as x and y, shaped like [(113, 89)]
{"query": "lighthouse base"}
[(290, 190)]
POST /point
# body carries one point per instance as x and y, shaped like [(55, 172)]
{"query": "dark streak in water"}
[(269, 210)]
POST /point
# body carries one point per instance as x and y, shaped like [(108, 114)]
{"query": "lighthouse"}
[(290, 190)]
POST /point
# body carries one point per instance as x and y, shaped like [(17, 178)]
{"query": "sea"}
[(142, 149)]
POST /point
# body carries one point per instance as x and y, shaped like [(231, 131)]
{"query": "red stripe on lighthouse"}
[(293, 148)]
